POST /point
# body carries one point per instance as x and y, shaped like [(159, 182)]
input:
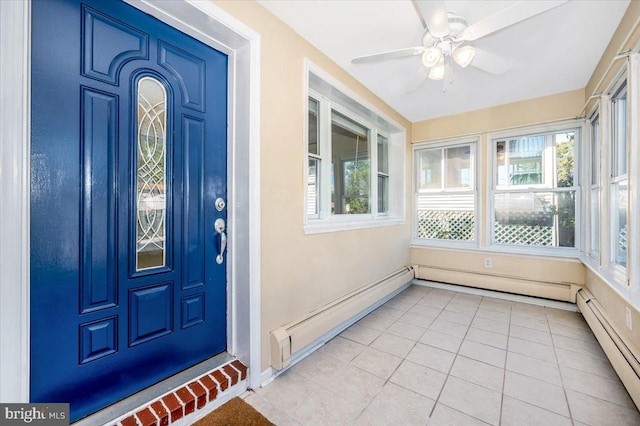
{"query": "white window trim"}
[(396, 135), (569, 125), (474, 141), (588, 158)]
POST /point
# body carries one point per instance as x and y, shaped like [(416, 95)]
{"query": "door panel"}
[(125, 288)]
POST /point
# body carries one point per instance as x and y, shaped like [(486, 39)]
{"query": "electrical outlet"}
[(629, 324), (488, 263)]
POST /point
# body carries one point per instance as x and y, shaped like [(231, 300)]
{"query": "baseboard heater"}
[(296, 335), (624, 361)]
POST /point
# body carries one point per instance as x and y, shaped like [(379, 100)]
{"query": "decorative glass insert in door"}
[(151, 176)]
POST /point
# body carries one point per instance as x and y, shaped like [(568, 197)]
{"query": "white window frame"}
[(593, 155), (334, 96), (577, 126), (472, 141), (616, 271)]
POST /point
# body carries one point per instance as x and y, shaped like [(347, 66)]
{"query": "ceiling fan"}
[(446, 38)]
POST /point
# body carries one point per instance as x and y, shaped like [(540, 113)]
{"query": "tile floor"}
[(431, 356)]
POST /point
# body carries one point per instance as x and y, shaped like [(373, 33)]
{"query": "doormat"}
[(235, 412)]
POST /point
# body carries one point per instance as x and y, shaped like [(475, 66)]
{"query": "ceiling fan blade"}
[(392, 54), (493, 64), (513, 14), (433, 16), (418, 80)]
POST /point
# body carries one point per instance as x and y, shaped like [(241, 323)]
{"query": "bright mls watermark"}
[(34, 414)]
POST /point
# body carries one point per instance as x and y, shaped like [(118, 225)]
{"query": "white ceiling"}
[(553, 52)]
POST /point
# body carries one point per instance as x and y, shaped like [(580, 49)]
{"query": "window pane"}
[(458, 167), (595, 151), (501, 163), (535, 219), (619, 234), (383, 155), (151, 174), (383, 194), (525, 161), (564, 159), (448, 216), (430, 168), (312, 186), (350, 161), (313, 127), (619, 157), (594, 220)]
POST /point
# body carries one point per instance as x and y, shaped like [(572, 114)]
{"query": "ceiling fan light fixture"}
[(437, 72), (464, 55), (431, 56)]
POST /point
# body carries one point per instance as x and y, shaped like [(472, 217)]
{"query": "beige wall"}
[(302, 272), (531, 275)]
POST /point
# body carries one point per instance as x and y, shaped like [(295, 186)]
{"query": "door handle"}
[(220, 227)]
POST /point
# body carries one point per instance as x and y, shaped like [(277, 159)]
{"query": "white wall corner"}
[(14, 198)]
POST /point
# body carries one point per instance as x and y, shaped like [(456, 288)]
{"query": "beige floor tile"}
[(368, 418), (285, 420), (596, 412), (570, 331), (355, 384), (401, 406), (518, 413), (609, 389), (360, 334), (445, 326), (484, 353), (406, 330), (390, 312), (376, 321), (588, 345), (489, 338), (490, 325), (478, 372), (446, 416), (466, 299), (456, 317), (530, 334), (536, 392), (493, 315), (528, 309), (342, 349), (584, 362), (536, 368), (377, 362), (417, 378), (532, 349), (392, 344), (288, 391), (528, 322), (417, 319), (265, 408), (318, 367), (461, 308), (441, 340), (426, 310), (431, 357), (327, 408), (493, 304), (471, 399), (399, 304), (568, 318)]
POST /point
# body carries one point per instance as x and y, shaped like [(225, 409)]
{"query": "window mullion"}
[(325, 158)]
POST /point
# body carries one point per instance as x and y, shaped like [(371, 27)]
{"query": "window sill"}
[(560, 253), (321, 226), (614, 281)]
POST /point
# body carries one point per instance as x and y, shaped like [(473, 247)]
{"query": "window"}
[(594, 187), (534, 190), (618, 178), (445, 196), (354, 175)]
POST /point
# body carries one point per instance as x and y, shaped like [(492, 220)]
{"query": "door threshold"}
[(179, 396)]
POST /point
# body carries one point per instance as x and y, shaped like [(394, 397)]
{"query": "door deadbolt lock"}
[(220, 204)]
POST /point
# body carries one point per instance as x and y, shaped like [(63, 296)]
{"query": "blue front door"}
[(128, 158)]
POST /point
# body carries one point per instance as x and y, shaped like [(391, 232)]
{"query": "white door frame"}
[(209, 24)]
